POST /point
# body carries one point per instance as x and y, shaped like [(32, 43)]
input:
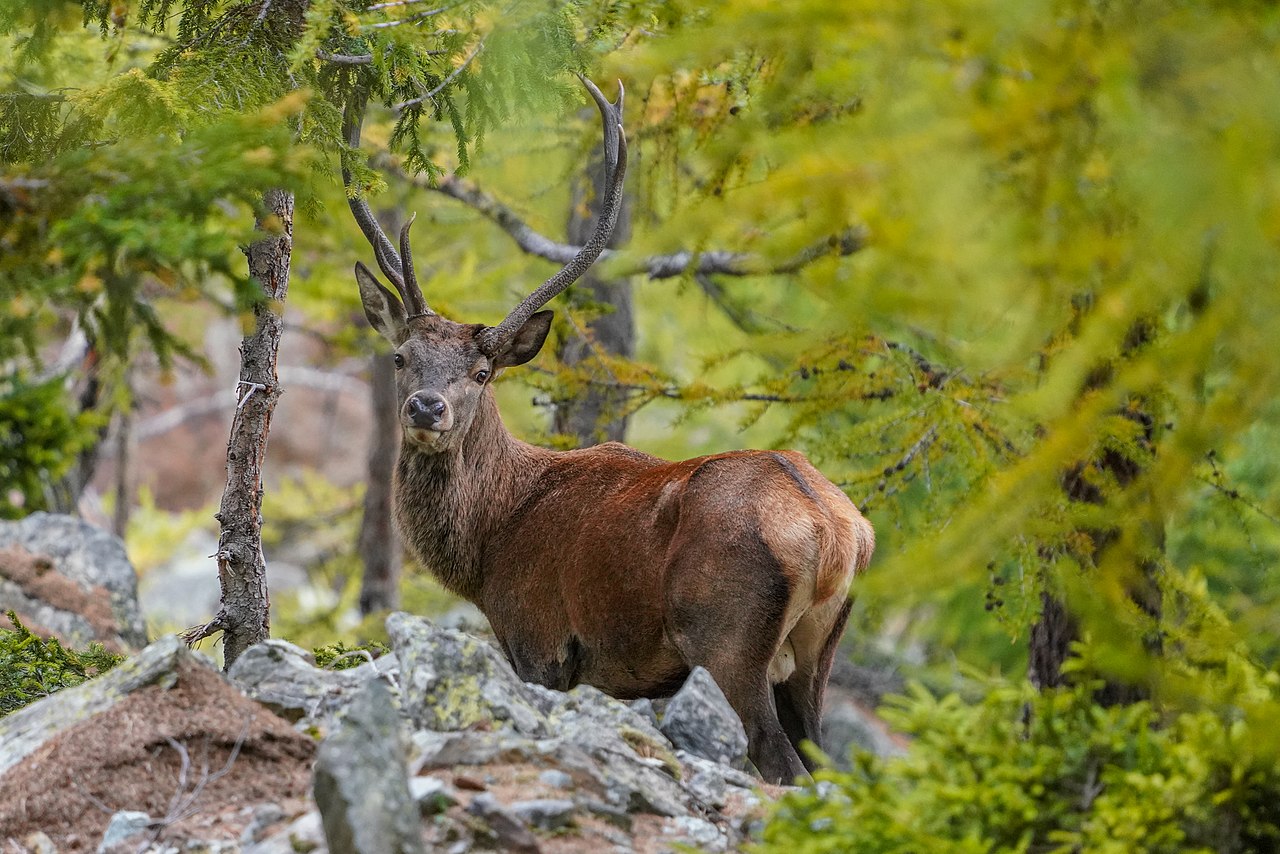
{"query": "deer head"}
[(443, 368)]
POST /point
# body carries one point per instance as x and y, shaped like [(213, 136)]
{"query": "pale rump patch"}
[(821, 546), (794, 542)]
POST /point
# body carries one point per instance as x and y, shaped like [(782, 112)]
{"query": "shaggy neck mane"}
[(449, 503)]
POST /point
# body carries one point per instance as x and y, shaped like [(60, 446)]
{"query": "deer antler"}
[(493, 340), (397, 268)]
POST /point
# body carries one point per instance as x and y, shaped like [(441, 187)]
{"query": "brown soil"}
[(38, 578), (133, 755)]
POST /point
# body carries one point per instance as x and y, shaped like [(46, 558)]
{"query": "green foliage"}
[(40, 437), (32, 668), (339, 656), (136, 139), (1062, 309), (1024, 771), (1007, 768)]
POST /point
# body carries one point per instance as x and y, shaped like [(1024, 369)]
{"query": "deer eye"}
[(399, 360), (481, 376)]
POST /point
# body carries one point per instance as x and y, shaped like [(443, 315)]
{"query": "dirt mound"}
[(195, 756), (38, 586)]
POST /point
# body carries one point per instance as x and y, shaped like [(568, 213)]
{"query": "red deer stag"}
[(607, 566)]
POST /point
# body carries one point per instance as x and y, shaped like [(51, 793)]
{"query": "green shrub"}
[(1020, 771), (32, 668), (331, 656)]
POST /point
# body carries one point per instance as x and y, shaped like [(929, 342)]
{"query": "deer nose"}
[(424, 410)]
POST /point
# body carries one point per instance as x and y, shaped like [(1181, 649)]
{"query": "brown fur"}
[(610, 567)]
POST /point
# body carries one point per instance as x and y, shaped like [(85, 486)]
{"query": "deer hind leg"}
[(726, 615), (799, 699)]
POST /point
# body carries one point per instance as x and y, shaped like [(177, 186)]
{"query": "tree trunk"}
[(124, 495), (600, 414), (243, 616), (379, 545), (64, 495), (1055, 630)]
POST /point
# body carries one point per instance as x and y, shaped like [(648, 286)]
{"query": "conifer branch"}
[(709, 262), (379, 6), (345, 59), (444, 84), (412, 19), (364, 58)]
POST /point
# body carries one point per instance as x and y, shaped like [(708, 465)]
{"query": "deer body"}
[(605, 565)]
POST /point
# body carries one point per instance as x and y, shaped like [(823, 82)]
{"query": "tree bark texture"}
[(379, 544), (1055, 630), (599, 415), (243, 616)]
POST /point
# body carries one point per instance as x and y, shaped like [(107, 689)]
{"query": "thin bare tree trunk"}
[(64, 496), (124, 495), (243, 617), (379, 545), (599, 415)]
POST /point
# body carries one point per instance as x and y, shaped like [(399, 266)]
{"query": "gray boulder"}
[(285, 678), (700, 720), (361, 783), (84, 564), (848, 726), (452, 681)]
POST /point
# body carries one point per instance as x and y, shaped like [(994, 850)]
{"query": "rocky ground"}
[(437, 746)]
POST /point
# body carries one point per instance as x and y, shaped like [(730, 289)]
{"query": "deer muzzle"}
[(427, 411)]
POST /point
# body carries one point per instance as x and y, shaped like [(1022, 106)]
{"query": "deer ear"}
[(384, 311), (527, 341)]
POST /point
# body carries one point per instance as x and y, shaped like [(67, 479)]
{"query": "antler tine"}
[(615, 143), (418, 306), (384, 251)]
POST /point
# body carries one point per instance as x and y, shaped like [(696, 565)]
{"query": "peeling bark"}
[(243, 616)]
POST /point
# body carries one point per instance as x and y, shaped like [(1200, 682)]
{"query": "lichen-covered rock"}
[(586, 708), (453, 681), (284, 678), (22, 732), (361, 783), (70, 579), (700, 720), (595, 759), (446, 749)]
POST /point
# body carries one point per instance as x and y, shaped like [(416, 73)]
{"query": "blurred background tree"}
[(1012, 285)]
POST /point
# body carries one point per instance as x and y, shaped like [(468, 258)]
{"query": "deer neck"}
[(450, 504)]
